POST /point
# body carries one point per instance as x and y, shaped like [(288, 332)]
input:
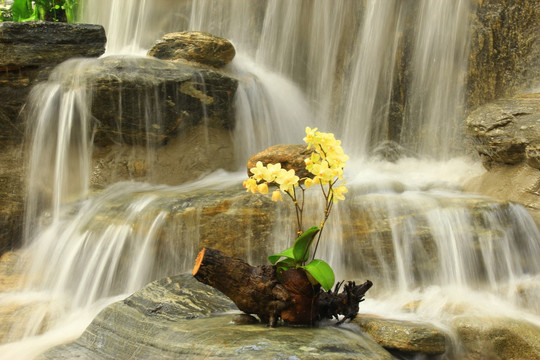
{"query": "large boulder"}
[(157, 121), (144, 100), (196, 46), (506, 135), (177, 317), (506, 131)]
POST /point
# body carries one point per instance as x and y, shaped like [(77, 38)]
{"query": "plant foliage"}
[(49, 10)]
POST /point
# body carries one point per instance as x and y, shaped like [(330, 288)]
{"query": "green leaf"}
[(285, 265), (22, 10), (322, 272), (302, 244), (285, 253)]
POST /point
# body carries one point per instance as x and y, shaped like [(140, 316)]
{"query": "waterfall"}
[(369, 71)]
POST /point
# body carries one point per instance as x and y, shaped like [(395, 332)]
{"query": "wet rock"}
[(145, 100), (178, 317), (196, 46), (28, 53), (518, 183), (403, 336), (506, 134), (289, 156), (190, 154), (505, 49), (36, 43), (391, 151), (11, 197), (503, 130), (497, 338)]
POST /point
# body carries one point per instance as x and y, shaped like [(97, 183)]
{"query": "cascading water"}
[(405, 225)]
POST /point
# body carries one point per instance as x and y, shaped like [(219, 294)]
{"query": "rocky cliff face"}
[(505, 50)]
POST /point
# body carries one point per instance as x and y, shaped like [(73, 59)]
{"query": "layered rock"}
[(505, 50), (506, 134), (196, 46), (507, 131), (178, 317), (38, 43)]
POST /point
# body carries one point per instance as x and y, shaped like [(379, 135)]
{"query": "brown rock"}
[(532, 155), (502, 130), (200, 47), (403, 336), (497, 338), (289, 156)]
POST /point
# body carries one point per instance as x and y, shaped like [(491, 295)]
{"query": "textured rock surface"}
[(507, 131), (37, 43), (200, 47), (28, 53), (11, 197), (506, 134), (140, 100), (505, 49), (289, 156), (403, 336), (178, 317), (497, 339)]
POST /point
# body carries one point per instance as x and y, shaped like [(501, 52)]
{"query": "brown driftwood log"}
[(254, 290), (257, 290)]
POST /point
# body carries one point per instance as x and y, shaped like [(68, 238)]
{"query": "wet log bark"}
[(257, 290), (254, 289)]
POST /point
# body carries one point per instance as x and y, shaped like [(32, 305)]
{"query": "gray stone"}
[(37, 43), (197, 46), (403, 336), (140, 100), (178, 317)]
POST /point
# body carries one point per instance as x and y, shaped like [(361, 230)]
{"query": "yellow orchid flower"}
[(276, 196)]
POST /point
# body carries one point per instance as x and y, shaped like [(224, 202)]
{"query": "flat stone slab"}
[(37, 43), (179, 318)]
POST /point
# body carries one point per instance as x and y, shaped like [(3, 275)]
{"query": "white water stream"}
[(330, 64)]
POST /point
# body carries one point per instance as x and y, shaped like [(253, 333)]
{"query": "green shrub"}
[(49, 10)]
